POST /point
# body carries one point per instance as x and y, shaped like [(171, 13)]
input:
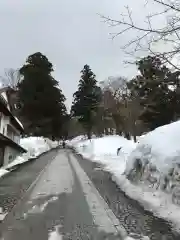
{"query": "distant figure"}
[(63, 144), (118, 150)]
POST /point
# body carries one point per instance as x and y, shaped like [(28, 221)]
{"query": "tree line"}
[(130, 107), (127, 107)]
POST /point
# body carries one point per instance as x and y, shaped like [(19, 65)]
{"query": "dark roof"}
[(11, 143)]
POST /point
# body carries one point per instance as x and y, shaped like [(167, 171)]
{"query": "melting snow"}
[(3, 172), (2, 214), (55, 235)]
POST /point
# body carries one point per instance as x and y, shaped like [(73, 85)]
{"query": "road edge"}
[(115, 221)]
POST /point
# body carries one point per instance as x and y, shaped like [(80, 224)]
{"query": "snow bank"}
[(75, 140), (2, 214), (34, 146), (156, 159), (148, 171), (160, 146), (3, 172), (104, 151), (55, 235), (154, 169), (78, 138)]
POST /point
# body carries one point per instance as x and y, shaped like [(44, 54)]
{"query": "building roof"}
[(11, 143)]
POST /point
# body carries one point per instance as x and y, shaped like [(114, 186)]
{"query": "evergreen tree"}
[(42, 102), (86, 100), (156, 87)]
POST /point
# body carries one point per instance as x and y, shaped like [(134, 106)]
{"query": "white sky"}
[(68, 32)]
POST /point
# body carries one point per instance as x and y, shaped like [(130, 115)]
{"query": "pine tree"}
[(86, 100), (42, 102), (154, 87)]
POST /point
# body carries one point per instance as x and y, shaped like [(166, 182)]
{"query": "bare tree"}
[(151, 35), (111, 92), (123, 104), (11, 78), (116, 85)]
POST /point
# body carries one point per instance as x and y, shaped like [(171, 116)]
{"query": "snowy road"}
[(62, 204)]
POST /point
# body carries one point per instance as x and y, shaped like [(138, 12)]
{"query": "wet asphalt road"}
[(64, 204), (131, 215), (13, 186)]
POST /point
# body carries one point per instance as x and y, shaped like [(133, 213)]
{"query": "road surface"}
[(13, 185), (64, 203)]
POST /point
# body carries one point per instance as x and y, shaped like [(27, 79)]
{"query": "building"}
[(10, 130)]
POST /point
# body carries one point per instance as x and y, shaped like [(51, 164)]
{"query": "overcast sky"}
[(68, 32)]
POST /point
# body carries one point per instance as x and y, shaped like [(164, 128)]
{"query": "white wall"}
[(9, 153), (4, 120), (3, 124), (13, 133), (17, 139)]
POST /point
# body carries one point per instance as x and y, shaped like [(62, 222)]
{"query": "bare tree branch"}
[(171, 5), (147, 38), (11, 78)]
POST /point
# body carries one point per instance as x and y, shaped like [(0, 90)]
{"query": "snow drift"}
[(148, 171), (3, 172), (104, 151), (156, 160), (34, 146)]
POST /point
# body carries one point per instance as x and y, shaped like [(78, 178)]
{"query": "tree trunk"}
[(135, 138), (133, 130), (119, 132), (127, 135), (106, 131), (89, 133)]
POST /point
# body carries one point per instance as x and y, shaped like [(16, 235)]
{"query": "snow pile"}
[(148, 171), (153, 171), (161, 147), (34, 146), (156, 160), (104, 151), (3, 172), (2, 214), (55, 235), (75, 140)]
